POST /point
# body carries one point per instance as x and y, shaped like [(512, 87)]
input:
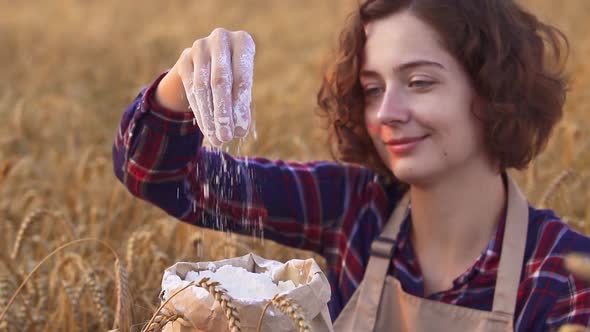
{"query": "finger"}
[(221, 84), (244, 50), (185, 69), (202, 88)]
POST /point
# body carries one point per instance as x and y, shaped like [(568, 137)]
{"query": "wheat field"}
[(70, 67)]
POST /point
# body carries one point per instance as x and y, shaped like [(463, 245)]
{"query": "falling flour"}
[(239, 283)]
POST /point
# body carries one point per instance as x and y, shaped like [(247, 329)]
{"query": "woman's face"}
[(415, 89)]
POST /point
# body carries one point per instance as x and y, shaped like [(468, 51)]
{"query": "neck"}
[(455, 219)]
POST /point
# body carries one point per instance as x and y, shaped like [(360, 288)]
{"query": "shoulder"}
[(549, 237), (552, 294)]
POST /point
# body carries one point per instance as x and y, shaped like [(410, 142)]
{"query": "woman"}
[(430, 102)]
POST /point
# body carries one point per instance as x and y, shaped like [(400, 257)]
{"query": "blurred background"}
[(70, 67)]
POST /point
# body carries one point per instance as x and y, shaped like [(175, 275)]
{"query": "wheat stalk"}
[(553, 186), (288, 307)]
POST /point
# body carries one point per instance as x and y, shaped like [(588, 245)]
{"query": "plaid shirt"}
[(333, 209)]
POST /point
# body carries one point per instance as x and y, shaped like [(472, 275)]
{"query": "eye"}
[(372, 91), (420, 84)]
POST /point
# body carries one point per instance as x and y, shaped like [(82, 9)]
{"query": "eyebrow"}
[(406, 66)]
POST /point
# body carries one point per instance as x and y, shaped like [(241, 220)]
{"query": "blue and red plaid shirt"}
[(333, 209)]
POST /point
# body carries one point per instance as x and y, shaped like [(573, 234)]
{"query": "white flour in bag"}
[(251, 281), (239, 283)]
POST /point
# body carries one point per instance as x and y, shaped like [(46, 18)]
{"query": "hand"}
[(217, 74)]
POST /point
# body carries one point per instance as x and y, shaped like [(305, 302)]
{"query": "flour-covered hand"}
[(217, 74)]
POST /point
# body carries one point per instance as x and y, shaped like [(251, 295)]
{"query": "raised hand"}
[(216, 74)]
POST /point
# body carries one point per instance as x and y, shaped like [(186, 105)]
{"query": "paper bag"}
[(205, 314)]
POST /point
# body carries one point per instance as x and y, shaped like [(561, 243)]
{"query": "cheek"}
[(461, 140), (372, 124), (373, 129)]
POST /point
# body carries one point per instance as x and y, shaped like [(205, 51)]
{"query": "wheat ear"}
[(42, 300), (25, 224), (73, 295), (141, 235), (98, 297), (31, 218), (160, 320), (225, 301), (5, 286), (121, 285), (288, 307)]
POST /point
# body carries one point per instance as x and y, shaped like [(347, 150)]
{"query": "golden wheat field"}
[(70, 67)]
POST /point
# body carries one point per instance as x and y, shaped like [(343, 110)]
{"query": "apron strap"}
[(513, 249), (381, 255)]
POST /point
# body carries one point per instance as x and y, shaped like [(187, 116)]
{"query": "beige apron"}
[(380, 304)]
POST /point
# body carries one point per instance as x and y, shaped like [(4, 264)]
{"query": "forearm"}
[(153, 151)]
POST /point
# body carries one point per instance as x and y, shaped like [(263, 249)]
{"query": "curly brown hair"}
[(514, 61)]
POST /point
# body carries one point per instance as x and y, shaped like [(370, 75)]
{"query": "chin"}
[(412, 174)]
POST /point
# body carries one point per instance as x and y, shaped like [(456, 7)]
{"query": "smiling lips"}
[(404, 140), (404, 144)]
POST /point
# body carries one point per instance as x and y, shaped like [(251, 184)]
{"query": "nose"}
[(393, 109)]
